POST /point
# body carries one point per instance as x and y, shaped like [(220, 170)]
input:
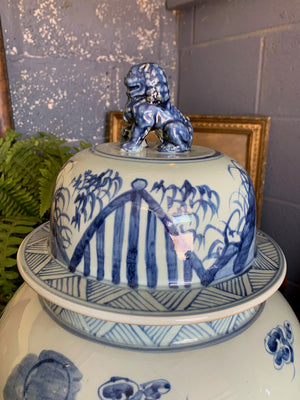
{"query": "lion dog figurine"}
[(149, 108)]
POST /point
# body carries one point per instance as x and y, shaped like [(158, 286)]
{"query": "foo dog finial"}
[(149, 108)]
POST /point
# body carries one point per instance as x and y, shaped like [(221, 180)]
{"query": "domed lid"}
[(159, 234), (151, 221)]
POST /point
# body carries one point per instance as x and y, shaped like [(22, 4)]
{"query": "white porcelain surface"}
[(152, 219), (240, 368)]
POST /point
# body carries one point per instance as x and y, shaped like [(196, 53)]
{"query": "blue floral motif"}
[(186, 202), (91, 189), (60, 222), (119, 388), (244, 214), (279, 342), (199, 204), (50, 376)]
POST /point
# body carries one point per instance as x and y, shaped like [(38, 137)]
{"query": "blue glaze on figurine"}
[(279, 342), (149, 109), (49, 376)]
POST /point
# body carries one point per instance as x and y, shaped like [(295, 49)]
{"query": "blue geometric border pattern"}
[(40, 268), (151, 337)]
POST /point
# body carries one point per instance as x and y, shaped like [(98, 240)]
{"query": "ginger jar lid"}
[(163, 234)]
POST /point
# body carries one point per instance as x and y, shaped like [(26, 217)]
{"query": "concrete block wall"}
[(67, 59), (242, 57)]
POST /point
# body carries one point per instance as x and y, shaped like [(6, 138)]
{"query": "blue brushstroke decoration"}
[(182, 210), (247, 232), (150, 245), (100, 245), (49, 376), (138, 185), (126, 389), (117, 244), (279, 343)]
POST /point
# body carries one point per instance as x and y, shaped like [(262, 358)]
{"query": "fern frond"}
[(54, 147), (16, 200), (12, 232), (28, 171), (83, 145), (23, 164), (47, 182), (5, 145)]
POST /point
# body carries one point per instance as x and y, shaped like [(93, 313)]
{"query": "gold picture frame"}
[(244, 138)]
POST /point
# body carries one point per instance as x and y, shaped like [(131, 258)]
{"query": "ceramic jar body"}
[(40, 358)]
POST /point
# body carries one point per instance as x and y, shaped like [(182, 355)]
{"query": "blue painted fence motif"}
[(119, 388), (49, 376), (279, 342), (185, 211)]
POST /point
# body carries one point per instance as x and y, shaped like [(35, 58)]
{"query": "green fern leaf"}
[(12, 232), (83, 145), (9, 263), (23, 164), (58, 155), (51, 146), (6, 144), (28, 171), (12, 275), (15, 200), (47, 183), (10, 251)]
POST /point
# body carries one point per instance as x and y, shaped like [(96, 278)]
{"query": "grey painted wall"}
[(67, 59), (242, 57)]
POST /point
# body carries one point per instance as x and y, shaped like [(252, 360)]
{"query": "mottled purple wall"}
[(243, 57), (67, 59)]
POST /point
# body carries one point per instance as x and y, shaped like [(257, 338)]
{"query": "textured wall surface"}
[(67, 59), (242, 57)]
